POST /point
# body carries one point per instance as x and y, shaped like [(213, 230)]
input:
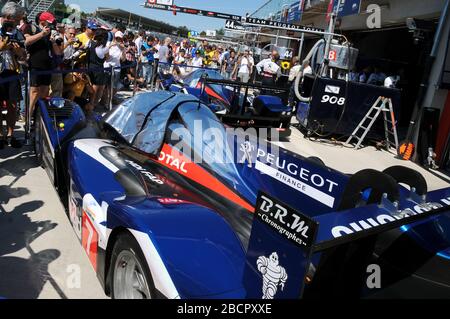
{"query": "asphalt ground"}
[(40, 255)]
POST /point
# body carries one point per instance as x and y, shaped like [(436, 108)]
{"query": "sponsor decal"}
[(299, 178), (172, 162), (294, 226), (279, 252), (172, 201), (153, 178), (332, 89), (89, 240), (284, 25), (178, 162), (274, 275), (383, 219), (75, 218)]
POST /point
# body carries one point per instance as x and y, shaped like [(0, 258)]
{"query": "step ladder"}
[(382, 105)]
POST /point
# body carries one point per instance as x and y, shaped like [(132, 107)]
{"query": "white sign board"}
[(210, 33), (164, 2)]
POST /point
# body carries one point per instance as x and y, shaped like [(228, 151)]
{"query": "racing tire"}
[(410, 177), (379, 184), (38, 137), (342, 270), (130, 281)]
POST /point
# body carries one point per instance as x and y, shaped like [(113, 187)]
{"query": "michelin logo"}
[(384, 219), (274, 276)]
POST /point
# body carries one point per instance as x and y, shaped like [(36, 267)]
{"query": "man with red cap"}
[(41, 48)]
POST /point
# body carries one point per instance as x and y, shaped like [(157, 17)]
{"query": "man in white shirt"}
[(115, 57), (197, 61), (245, 67), (139, 41), (295, 70), (269, 69), (181, 60)]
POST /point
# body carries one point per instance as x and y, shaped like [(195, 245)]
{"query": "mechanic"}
[(269, 69), (12, 51)]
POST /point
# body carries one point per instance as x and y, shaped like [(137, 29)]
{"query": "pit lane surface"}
[(40, 256)]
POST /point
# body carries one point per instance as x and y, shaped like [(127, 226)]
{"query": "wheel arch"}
[(113, 237)]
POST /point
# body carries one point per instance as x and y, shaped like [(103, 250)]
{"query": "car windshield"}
[(192, 79), (214, 150), (129, 117)]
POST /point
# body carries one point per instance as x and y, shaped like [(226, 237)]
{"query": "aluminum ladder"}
[(382, 105)]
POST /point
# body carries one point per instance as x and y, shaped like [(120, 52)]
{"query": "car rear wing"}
[(284, 241), (240, 85)]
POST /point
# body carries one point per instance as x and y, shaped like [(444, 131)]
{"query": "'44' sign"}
[(233, 25)]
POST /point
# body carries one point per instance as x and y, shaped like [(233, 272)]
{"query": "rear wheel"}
[(410, 177), (368, 187), (350, 260), (130, 278)]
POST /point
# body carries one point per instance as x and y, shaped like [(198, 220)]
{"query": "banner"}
[(234, 25), (344, 7), (296, 11), (163, 2)]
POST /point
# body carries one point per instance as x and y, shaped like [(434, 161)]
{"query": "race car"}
[(219, 98), (248, 109), (163, 212)]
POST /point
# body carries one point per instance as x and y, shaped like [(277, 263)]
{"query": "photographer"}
[(115, 58), (41, 49), (57, 37), (71, 45), (11, 52)]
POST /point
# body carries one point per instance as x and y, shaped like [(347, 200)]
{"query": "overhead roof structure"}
[(133, 20)]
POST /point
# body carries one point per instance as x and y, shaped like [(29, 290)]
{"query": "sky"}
[(196, 23)]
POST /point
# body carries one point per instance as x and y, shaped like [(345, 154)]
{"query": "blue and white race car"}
[(164, 214), (237, 104)]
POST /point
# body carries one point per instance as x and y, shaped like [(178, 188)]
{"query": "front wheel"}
[(131, 278)]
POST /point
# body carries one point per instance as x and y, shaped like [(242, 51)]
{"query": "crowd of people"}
[(91, 63)]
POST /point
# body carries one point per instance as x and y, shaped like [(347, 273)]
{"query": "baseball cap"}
[(119, 34), (47, 16), (92, 25)]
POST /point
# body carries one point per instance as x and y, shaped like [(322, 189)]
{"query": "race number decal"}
[(333, 55), (89, 240), (333, 100), (75, 218)]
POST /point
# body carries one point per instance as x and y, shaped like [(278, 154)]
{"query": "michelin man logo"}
[(247, 148), (274, 275)]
